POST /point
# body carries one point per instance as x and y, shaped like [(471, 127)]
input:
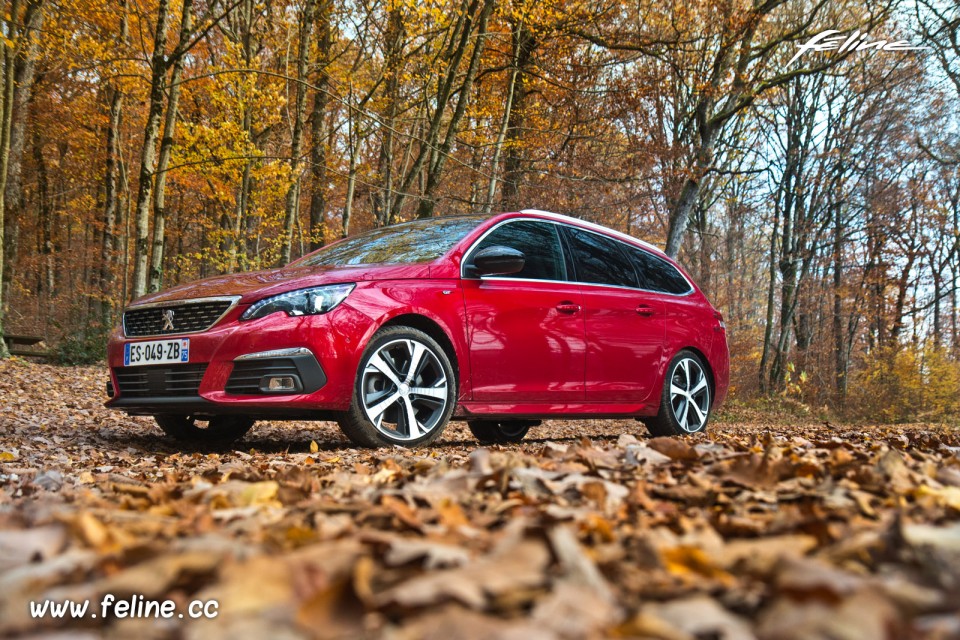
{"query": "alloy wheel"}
[(404, 389), (689, 395)]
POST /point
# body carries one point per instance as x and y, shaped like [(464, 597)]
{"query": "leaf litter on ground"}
[(587, 529)]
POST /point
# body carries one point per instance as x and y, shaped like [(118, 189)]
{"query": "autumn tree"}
[(733, 62), (21, 21)]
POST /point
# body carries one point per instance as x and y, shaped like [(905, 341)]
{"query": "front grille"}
[(188, 317), (245, 379), (158, 381)]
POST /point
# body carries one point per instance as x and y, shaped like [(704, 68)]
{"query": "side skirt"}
[(470, 410)]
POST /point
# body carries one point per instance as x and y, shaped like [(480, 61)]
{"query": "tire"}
[(221, 429), (404, 392), (500, 431), (685, 401)]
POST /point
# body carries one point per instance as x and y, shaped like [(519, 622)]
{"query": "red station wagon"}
[(500, 321)]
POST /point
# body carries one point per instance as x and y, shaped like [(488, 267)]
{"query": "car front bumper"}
[(230, 364)]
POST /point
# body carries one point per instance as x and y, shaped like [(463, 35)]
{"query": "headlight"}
[(302, 302)]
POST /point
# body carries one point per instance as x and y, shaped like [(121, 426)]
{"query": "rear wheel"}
[(500, 431), (685, 400), (186, 428), (404, 392)]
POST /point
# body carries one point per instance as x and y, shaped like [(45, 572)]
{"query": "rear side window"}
[(599, 260), (656, 274), (538, 241)]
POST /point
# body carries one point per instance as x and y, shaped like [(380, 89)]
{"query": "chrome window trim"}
[(506, 279), (637, 244), (168, 303)]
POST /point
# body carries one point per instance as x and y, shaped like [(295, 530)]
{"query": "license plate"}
[(136, 354)]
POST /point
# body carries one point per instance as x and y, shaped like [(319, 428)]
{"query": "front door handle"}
[(568, 307), (645, 310)]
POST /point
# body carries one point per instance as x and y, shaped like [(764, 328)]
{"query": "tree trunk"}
[(166, 147), (292, 203), (24, 68), (937, 286), (428, 201), (523, 43), (237, 245), (383, 200), (351, 188), (454, 54), (233, 230), (151, 133), (108, 239), (319, 130), (45, 220), (6, 115), (690, 192), (839, 350), (771, 299), (505, 122)]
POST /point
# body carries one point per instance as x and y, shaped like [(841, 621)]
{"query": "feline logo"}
[(826, 41), (167, 320)]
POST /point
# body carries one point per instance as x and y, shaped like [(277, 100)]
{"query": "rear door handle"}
[(645, 310), (568, 307)]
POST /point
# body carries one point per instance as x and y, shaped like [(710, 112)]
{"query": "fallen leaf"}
[(19, 547), (521, 566), (701, 617), (674, 448)]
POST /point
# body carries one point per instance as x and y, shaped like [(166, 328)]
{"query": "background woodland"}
[(149, 142)]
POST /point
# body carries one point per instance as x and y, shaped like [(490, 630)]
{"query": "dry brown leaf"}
[(18, 547), (864, 615), (518, 567), (674, 448), (701, 617)]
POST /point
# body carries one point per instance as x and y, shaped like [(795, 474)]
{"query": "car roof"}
[(558, 217)]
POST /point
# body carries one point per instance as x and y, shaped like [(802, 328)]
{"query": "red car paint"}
[(520, 348)]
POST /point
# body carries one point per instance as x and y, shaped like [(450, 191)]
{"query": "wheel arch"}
[(711, 376), (433, 329)]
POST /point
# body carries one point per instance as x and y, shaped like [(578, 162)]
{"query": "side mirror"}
[(496, 261)]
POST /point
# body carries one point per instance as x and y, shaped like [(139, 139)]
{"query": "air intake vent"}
[(177, 380), (246, 376), (175, 318)]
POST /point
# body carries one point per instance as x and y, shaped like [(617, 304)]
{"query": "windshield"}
[(407, 243)]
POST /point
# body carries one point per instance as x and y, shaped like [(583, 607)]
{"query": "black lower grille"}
[(175, 318), (177, 380), (246, 376)]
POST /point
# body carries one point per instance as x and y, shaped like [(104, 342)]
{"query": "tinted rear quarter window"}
[(656, 274), (600, 260)]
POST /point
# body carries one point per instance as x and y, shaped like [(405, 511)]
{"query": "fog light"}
[(284, 383), (280, 384), (110, 388)]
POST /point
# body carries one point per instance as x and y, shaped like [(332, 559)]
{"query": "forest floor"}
[(766, 529)]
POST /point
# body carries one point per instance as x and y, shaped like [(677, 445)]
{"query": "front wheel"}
[(404, 392), (186, 428), (685, 400)]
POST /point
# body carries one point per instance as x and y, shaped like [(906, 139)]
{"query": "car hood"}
[(255, 285)]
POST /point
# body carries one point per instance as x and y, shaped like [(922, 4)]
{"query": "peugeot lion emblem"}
[(168, 320)]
